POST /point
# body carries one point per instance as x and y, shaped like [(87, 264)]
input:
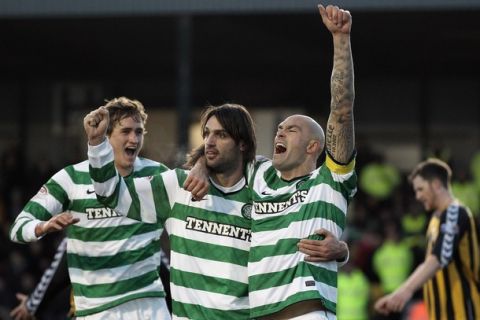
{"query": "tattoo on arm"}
[(340, 130)]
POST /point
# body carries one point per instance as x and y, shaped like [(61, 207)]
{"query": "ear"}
[(243, 146), (313, 147), (436, 184)]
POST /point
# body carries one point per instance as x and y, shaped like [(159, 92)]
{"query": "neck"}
[(444, 200), (124, 171), (227, 179), (299, 171)]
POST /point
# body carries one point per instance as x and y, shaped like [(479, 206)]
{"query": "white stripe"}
[(145, 196), (210, 268), (124, 198), (208, 299), (280, 293), (112, 247), (178, 228), (101, 154), (21, 219), (176, 194), (48, 202), (112, 275), (341, 177), (84, 303), (84, 222), (107, 188), (296, 230), (284, 262)]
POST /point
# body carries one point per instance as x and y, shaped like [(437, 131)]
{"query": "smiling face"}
[(222, 153), (126, 139), (297, 144)]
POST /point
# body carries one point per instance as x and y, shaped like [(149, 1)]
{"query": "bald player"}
[(292, 198)]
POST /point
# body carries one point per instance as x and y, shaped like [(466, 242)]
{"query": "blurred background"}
[(417, 68)]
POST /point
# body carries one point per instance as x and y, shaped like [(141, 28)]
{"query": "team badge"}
[(247, 211), (43, 190)]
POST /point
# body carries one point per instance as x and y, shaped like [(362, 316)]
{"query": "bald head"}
[(313, 131)]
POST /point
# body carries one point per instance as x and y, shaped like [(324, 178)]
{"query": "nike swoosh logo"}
[(193, 199), (265, 193), (90, 191)]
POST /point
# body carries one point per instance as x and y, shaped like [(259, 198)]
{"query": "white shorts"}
[(141, 309), (317, 315)]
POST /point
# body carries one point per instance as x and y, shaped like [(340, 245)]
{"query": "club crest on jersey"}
[(276, 207), (101, 213), (247, 211), (43, 190)]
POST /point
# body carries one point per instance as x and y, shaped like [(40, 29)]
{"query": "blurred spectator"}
[(353, 289)]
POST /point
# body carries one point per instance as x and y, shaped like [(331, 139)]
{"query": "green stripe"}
[(78, 177), (110, 233), (80, 205), (300, 296), (214, 252), (318, 209), (324, 176), (207, 283), (104, 173), (283, 246), (150, 294), (38, 211), (302, 269), (197, 312), (116, 260), (19, 231), (160, 198), (57, 191), (152, 170), (116, 288)]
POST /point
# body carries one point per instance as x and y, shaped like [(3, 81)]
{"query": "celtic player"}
[(210, 236), (112, 260), (292, 198)]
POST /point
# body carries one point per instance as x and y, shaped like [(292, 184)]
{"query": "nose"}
[(280, 133), (133, 137), (417, 196), (209, 139)]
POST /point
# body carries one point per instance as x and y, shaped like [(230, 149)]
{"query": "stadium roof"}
[(92, 8)]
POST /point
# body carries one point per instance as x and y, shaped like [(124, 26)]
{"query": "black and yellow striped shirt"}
[(453, 293)]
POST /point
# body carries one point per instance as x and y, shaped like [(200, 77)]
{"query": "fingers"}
[(21, 297), (200, 191), (324, 232), (94, 118), (334, 17), (196, 186), (60, 222)]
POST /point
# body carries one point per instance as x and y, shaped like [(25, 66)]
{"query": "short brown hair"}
[(121, 108), (431, 169)]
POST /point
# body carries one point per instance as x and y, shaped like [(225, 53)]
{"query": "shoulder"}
[(146, 166)]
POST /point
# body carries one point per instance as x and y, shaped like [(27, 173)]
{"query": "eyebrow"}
[(215, 130), (289, 126)]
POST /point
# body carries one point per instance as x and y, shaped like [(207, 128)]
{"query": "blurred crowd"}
[(385, 231)]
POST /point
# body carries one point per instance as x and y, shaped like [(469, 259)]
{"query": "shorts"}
[(143, 308)]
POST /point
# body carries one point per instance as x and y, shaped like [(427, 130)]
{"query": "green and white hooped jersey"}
[(111, 258), (209, 238), (283, 213)]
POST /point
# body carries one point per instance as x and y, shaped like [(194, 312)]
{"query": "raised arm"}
[(340, 136)]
